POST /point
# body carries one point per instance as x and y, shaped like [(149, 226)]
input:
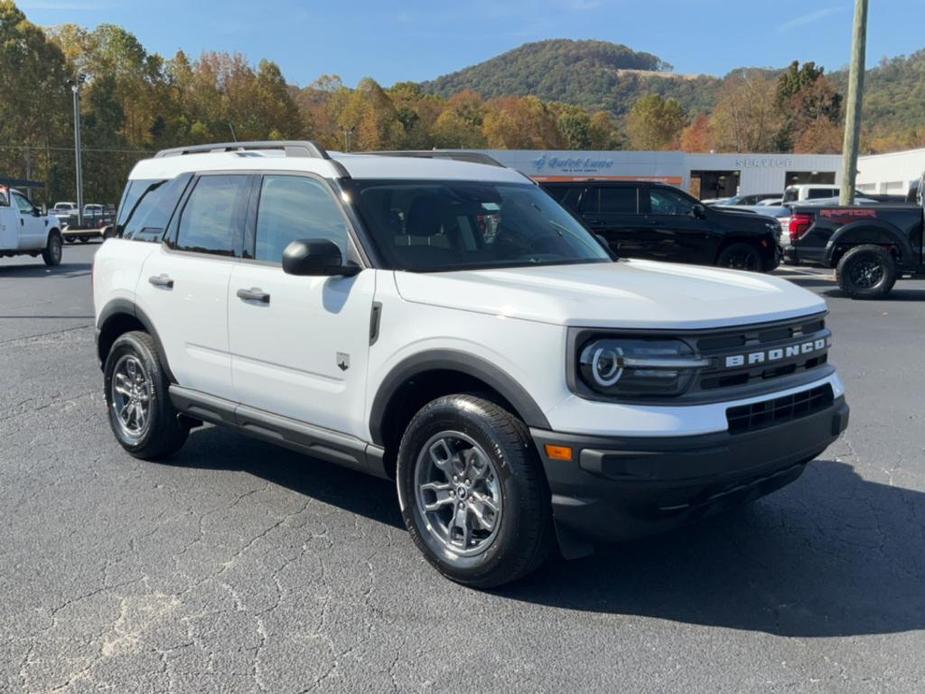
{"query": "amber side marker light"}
[(558, 452)]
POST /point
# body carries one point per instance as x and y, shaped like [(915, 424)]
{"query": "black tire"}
[(741, 256), (866, 272), (524, 534), (52, 253), (165, 431)]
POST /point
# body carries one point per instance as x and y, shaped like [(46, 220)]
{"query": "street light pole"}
[(75, 85), (855, 100)]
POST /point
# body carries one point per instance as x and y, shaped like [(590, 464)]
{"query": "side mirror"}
[(316, 257), (699, 210)]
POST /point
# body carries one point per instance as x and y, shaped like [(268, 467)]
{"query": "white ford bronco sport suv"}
[(447, 324)]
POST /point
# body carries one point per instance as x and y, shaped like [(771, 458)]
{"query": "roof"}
[(20, 183), (359, 166)]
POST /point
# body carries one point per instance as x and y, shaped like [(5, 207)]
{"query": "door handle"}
[(254, 294), (161, 281)]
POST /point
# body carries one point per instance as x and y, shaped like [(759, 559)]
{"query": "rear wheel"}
[(740, 256), (52, 253), (141, 415), (866, 272), (473, 493)]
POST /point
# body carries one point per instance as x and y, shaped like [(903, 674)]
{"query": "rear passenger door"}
[(184, 284), (300, 345)]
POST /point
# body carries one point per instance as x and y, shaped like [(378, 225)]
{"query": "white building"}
[(704, 175), (890, 173)]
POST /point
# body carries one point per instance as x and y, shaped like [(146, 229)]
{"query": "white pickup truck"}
[(24, 230)]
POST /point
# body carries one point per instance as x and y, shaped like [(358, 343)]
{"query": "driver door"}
[(674, 232), (31, 227), (299, 345)]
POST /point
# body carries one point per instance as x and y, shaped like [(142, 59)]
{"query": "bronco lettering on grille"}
[(765, 356)]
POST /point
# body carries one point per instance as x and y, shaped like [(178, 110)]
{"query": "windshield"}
[(453, 225)]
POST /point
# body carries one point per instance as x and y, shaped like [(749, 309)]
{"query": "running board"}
[(333, 446)]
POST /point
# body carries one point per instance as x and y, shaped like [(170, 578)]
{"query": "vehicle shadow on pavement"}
[(215, 448), (37, 270), (832, 555)]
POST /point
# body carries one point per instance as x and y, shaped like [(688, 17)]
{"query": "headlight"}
[(638, 367)]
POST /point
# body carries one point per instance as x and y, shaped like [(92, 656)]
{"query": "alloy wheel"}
[(866, 273), (458, 493), (131, 397)]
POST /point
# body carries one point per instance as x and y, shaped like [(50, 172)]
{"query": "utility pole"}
[(855, 100), (348, 134), (75, 85)]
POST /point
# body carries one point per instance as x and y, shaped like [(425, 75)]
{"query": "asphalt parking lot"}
[(241, 567)]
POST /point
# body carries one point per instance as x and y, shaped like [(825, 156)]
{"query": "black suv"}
[(640, 219)]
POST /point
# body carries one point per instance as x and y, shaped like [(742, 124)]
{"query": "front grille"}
[(760, 341), (767, 413)]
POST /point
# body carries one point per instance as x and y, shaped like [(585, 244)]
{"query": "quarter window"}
[(210, 219), (147, 207), (294, 208)]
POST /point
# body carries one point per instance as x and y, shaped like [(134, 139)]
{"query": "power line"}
[(39, 148)]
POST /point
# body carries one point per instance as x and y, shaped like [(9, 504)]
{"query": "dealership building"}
[(718, 175), (704, 175), (892, 173)]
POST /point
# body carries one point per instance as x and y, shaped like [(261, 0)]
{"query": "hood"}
[(624, 294)]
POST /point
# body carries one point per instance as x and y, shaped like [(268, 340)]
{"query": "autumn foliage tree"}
[(698, 136)]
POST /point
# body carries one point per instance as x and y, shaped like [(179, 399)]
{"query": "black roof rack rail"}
[(455, 154), (292, 148)]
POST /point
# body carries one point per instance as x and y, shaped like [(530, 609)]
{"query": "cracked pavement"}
[(240, 567)]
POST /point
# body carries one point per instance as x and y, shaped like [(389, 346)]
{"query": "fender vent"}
[(767, 413)]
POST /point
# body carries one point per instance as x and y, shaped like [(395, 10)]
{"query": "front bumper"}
[(625, 487)]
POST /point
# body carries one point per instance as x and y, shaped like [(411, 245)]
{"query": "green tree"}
[(655, 123), (35, 106)]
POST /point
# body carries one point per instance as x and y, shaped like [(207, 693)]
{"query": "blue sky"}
[(394, 40)]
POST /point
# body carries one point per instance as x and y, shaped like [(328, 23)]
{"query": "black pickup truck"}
[(870, 247), (643, 219)]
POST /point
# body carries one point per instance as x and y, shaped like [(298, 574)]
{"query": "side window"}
[(590, 202), (4, 198), (668, 202), (618, 200), (147, 207), (293, 208), (22, 203), (210, 220)]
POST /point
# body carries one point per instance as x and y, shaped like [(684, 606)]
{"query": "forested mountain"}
[(557, 94), (894, 102), (612, 77), (592, 74)]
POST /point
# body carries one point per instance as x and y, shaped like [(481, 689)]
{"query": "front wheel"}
[(740, 256), (52, 253), (866, 272), (472, 491)]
